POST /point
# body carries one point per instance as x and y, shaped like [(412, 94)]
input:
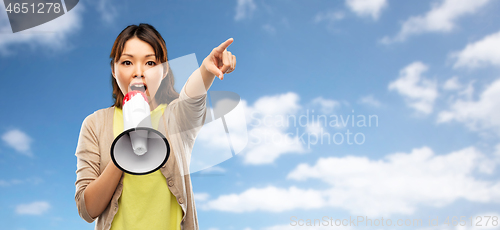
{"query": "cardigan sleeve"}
[(88, 160), (190, 114)]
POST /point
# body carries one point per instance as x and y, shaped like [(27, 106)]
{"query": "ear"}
[(113, 72), (165, 66)]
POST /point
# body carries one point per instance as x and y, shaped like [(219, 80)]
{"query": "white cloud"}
[(466, 92), (201, 196), (452, 84), (270, 199), (265, 134), (244, 9), (481, 53), (368, 8), (419, 92), (269, 143), (19, 141), (401, 182), (326, 105), (441, 18), (268, 126), (314, 127), (453, 89), (108, 10), (330, 17), (213, 145), (53, 34), (35, 208), (370, 100), (277, 105), (478, 115)]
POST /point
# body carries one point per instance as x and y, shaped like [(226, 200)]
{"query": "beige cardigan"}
[(180, 123)]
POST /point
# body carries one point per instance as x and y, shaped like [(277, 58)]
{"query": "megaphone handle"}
[(139, 141)]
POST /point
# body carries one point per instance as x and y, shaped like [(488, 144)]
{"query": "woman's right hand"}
[(99, 192)]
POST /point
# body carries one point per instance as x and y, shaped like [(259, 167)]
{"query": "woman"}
[(163, 199)]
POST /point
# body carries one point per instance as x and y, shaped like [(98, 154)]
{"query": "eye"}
[(126, 63), (152, 63)]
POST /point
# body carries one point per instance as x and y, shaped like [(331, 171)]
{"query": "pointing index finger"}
[(224, 45)]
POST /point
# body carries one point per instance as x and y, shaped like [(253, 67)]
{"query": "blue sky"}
[(427, 70)]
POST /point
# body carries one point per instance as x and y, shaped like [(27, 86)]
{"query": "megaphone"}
[(140, 149)]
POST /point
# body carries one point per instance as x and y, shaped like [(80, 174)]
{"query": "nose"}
[(138, 71)]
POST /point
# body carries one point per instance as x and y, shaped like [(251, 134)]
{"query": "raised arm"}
[(190, 110)]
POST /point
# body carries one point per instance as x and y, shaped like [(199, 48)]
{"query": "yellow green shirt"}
[(145, 202)]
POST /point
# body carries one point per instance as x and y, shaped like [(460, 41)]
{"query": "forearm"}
[(199, 82), (100, 191)]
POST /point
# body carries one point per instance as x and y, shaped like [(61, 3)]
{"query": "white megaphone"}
[(139, 149)]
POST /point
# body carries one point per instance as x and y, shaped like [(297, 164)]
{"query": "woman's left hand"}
[(220, 61)]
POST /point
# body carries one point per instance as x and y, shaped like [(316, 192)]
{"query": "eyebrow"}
[(133, 55)]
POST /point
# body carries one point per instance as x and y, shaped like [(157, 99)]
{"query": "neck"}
[(152, 105)]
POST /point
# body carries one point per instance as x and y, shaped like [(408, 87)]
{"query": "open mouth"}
[(141, 88)]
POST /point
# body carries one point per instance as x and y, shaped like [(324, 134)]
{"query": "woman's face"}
[(138, 69)]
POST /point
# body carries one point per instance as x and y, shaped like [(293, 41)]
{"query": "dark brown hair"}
[(147, 33)]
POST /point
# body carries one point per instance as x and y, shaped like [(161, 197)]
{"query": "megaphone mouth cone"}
[(124, 157)]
